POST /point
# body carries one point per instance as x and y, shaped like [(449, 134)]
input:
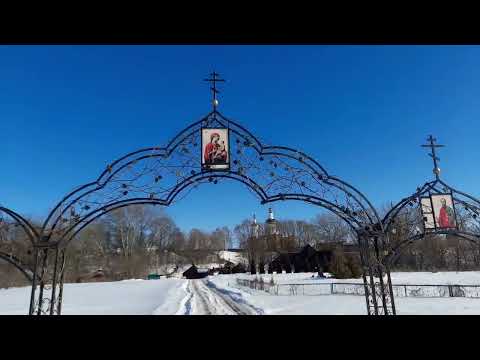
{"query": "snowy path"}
[(221, 295), (203, 298)]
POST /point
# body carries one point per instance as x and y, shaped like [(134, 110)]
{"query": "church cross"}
[(432, 145), (215, 77)]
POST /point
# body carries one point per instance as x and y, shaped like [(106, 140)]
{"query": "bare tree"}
[(330, 229), (161, 232), (243, 231), (221, 238)]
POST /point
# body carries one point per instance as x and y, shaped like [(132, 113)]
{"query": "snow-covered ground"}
[(401, 278), (350, 304), (221, 295), (134, 297), (204, 298)]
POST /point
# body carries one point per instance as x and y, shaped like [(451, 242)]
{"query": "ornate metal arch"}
[(19, 220), (466, 204), (163, 175), (160, 175), (468, 228), (10, 218)]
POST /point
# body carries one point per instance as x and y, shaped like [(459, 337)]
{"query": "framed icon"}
[(444, 211), (215, 149)]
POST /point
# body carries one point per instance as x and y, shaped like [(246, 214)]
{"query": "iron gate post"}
[(378, 296), (49, 266)]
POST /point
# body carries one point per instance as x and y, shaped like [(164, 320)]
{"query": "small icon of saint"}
[(446, 218)]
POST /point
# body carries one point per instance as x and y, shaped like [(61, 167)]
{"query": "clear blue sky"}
[(361, 111)]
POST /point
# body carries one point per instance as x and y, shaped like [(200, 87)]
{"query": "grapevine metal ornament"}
[(163, 175)]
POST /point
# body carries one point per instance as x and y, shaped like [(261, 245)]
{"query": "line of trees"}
[(134, 240), (126, 243), (430, 253), (324, 228)]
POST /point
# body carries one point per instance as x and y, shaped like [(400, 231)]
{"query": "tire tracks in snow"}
[(206, 302), (236, 302), (204, 298), (186, 303)]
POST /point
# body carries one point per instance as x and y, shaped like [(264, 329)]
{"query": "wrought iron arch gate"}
[(467, 218), (423, 222), (161, 175)]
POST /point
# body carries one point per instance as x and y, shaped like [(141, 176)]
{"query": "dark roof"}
[(306, 252), (190, 270)]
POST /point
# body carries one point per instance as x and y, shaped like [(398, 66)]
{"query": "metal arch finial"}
[(433, 145), (214, 78)]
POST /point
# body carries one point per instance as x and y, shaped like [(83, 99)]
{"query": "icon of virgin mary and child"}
[(215, 151)]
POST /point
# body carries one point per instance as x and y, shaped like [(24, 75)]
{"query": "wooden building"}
[(228, 268), (195, 273), (306, 259), (239, 269), (268, 250)]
